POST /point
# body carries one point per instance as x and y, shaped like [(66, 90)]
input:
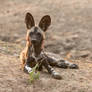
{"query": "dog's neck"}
[(36, 50)]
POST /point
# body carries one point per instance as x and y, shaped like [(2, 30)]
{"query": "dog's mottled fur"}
[(35, 48)]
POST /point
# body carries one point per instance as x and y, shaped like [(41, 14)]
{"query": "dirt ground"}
[(70, 35)]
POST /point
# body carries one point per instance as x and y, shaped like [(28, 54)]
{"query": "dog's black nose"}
[(34, 41)]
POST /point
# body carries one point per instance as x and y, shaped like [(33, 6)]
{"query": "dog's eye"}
[(31, 34)]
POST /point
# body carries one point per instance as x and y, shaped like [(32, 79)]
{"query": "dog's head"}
[(36, 34)]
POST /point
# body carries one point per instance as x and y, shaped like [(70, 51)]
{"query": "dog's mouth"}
[(34, 41)]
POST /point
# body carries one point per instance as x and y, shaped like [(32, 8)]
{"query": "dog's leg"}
[(51, 70), (25, 63), (66, 64), (27, 67), (61, 63), (28, 59)]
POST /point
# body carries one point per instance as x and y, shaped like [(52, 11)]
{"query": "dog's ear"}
[(45, 22), (29, 20)]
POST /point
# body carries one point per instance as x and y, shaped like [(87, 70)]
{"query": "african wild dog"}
[(34, 50)]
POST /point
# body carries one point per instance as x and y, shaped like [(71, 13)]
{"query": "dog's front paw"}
[(27, 69), (56, 75)]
